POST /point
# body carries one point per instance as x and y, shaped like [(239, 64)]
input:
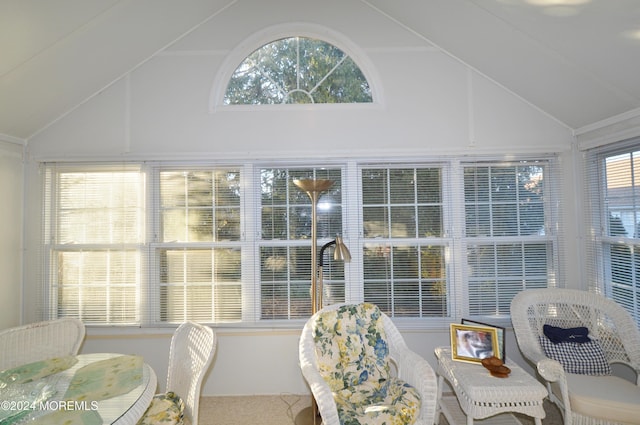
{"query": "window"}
[(404, 244), (285, 248), (198, 252), (95, 242), (508, 245), (159, 243), (613, 190), (297, 70)]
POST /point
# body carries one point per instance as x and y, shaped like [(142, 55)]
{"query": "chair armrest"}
[(417, 372), (634, 367), (322, 395), (551, 370)]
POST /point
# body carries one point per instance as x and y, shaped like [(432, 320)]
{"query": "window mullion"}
[(353, 236), (457, 275), (251, 236)]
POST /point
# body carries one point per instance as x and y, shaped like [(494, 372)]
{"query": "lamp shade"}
[(341, 252)]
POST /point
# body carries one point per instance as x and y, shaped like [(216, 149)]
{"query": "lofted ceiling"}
[(576, 60)]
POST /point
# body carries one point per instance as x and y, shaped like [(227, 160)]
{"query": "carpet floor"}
[(291, 409)]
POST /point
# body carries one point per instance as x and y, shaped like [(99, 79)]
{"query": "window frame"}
[(273, 82), (599, 262), (452, 239), (312, 170), (276, 32), (155, 244), (550, 237), (48, 306), (445, 240)]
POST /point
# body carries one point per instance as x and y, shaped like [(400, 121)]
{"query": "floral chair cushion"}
[(353, 358), (165, 409)]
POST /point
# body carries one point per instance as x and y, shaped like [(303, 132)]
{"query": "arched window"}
[(297, 70)]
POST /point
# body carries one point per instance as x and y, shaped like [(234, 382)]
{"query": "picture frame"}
[(471, 343), (501, 335)]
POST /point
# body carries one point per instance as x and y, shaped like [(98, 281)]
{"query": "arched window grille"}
[(297, 70)]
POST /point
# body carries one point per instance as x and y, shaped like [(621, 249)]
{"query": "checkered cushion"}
[(586, 358)]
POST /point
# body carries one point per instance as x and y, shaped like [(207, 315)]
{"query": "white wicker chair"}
[(409, 366), (39, 341), (582, 399), (193, 347)]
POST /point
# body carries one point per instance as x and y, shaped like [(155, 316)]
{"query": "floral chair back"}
[(353, 358), (351, 347)]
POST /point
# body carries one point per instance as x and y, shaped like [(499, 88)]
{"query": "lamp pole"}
[(313, 188)]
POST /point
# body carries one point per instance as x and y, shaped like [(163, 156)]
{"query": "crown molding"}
[(12, 139)]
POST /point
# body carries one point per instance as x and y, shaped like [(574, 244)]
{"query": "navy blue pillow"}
[(558, 335)]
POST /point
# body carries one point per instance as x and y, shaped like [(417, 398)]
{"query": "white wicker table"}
[(481, 395)]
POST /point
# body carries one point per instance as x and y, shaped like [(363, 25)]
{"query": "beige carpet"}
[(248, 410), (284, 409)]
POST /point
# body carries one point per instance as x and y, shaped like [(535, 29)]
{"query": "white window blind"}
[(161, 242), (510, 242), (197, 248), (404, 244), (612, 182), (285, 241), (94, 242)]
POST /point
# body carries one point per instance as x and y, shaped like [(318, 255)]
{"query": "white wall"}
[(11, 209), (431, 104)]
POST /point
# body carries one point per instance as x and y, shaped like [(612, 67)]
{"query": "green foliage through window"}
[(297, 70)]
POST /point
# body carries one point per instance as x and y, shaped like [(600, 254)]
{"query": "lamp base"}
[(308, 416)]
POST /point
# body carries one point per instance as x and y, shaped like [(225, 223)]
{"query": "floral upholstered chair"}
[(348, 354)]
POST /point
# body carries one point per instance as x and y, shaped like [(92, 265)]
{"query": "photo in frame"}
[(501, 335), (473, 343)]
